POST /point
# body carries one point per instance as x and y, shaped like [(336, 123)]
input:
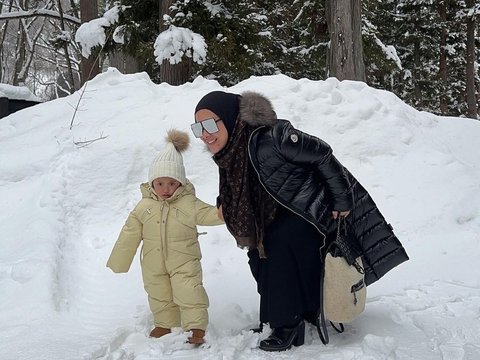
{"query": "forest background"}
[(424, 51)]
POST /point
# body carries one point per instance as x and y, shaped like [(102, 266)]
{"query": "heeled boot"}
[(258, 329), (282, 338)]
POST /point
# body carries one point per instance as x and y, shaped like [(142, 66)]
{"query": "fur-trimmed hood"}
[(256, 110)]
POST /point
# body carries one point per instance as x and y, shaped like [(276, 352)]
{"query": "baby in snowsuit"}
[(166, 219)]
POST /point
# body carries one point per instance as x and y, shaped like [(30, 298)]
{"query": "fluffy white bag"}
[(344, 290), (342, 287)]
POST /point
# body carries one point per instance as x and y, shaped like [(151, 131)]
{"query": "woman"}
[(280, 191)]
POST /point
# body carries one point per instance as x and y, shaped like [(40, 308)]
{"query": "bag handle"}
[(320, 319), (347, 254)]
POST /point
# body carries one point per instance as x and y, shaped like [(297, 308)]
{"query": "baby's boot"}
[(159, 332), (197, 337)]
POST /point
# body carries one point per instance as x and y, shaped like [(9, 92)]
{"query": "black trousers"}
[(289, 278)]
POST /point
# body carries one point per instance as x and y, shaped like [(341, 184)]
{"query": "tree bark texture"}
[(20, 55), (177, 74), (3, 34), (89, 68), (472, 111), (345, 57), (124, 63)]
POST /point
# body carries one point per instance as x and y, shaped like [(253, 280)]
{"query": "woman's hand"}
[(220, 213), (335, 214)]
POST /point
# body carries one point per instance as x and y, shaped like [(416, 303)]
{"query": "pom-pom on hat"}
[(169, 163)]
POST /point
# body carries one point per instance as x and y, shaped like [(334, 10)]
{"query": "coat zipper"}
[(277, 200)]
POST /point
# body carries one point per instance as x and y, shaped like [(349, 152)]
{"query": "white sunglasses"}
[(209, 125)]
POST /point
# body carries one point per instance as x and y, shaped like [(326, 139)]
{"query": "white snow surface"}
[(17, 93), (62, 207)]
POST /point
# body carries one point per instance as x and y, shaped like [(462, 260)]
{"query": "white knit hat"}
[(169, 163)]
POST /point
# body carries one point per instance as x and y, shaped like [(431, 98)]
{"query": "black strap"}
[(342, 328), (320, 320), (321, 323)]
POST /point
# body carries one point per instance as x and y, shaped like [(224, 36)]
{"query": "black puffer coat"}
[(301, 173)]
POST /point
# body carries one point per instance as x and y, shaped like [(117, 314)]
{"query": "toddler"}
[(166, 220)]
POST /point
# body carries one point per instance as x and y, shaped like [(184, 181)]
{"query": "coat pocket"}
[(152, 259), (186, 246), (184, 218), (147, 215), (182, 226)]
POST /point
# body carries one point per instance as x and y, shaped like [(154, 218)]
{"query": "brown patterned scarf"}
[(247, 208)]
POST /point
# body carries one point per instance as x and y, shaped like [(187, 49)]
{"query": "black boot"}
[(258, 329), (282, 338)]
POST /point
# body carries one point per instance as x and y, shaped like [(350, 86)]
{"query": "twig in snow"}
[(88, 142)]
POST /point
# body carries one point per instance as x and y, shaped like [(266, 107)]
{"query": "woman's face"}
[(216, 141)]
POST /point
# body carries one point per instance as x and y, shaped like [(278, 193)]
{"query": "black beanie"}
[(223, 104)]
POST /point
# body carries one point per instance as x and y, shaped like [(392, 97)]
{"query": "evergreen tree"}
[(430, 40), (233, 33), (382, 62), (299, 38), (414, 48), (139, 23)]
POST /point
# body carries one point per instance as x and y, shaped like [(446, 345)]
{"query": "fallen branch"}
[(88, 142)]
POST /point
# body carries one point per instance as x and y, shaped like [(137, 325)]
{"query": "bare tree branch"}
[(38, 12)]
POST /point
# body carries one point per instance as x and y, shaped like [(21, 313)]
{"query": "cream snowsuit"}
[(170, 256)]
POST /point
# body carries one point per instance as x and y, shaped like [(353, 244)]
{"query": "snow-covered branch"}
[(175, 42), (37, 12), (92, 33), (389, 51)]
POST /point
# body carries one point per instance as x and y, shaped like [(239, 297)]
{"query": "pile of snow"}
[(63, 204), (17, 93)]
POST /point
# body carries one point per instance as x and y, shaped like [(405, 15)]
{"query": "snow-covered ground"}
[(62, 206)]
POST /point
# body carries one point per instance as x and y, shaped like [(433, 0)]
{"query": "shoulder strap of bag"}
[(320, 322)]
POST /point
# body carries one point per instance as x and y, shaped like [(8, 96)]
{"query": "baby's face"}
[(165, 186)]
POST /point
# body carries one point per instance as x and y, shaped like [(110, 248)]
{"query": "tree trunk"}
[(3, 34), (124, 63), (471, 96), (345, 57), (131, 64), (89, 68), (20, 55), (442, 10), (65, 50), (177, 74)]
